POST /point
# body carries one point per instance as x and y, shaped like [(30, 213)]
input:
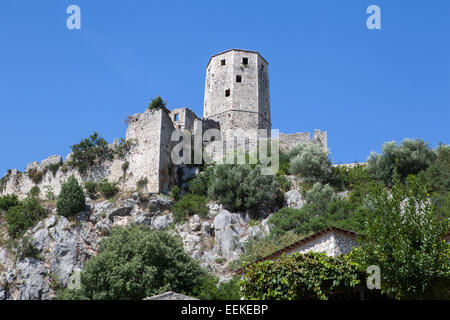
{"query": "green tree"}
[(89, 152), (136, 262), (157, 103), (241, 187), (405, 240), (71, 199), (311, 162), (8, 201), (22, 217), (189, 205), (410, 157)]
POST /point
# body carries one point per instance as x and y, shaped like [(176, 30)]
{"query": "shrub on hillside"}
[(135, 262), (108, 189), (23, 216), (201, 183), (91, 188), (8, 201), (347, 178), (189, 205), (311, 162), (71, 199), (89, 152), (437, 175), (241, 187), (405, 240), (323, 208), (175, 193), (103, 188), (410, 157), (34, 192)]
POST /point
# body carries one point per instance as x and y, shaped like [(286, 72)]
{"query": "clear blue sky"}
[(327, 70)]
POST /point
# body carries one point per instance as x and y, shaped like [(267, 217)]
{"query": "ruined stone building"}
[(236, 97)]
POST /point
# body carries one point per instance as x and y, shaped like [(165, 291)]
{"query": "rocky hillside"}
[(61, 247)]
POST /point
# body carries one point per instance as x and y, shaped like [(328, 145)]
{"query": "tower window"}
[(238, 78), (227, 93), (176, 117), (245, 61), (222, 62)]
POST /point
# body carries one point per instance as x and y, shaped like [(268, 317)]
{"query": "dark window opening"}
[(222, 62), (238, 78), (176, 117), (245, 61), (227, 93)]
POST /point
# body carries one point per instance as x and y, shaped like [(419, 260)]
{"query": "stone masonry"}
[(236, 97)]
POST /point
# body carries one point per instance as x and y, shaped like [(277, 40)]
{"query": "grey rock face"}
[(31, 276), (294, 199), (162, 222), (65, 246), (120, 212)]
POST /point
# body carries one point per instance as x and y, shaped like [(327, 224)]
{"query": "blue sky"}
[(327, 70)]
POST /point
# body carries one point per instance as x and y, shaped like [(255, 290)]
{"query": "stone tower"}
[(237, 90)]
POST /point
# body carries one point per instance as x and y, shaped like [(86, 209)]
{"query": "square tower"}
[(237, 90)]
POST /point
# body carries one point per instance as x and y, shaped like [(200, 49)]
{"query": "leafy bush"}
[(438, 173), (89, 152), (210, 289), (108, 189), (23, 216), (122, 149), (53, 167), (175, 193), (189, 205), (71, 199), (135, 262), (157, 103), (322, 209), (241, 187), (285, 184), (303, 277), (8, 201), (34, 192), (405, 240), (347, 178), (410, 157), (26, 249), (310, 162), (141, 184), (91, 188), (104, 188), (200, 184)]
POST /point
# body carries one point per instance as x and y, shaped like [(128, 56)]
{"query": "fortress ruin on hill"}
[(236, 97)]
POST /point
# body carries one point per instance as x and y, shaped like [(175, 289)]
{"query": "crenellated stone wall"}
[(288, 141)]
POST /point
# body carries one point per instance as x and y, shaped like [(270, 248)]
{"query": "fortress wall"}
[(20, 183), (146, 129), (148, 158), (288, 141)]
